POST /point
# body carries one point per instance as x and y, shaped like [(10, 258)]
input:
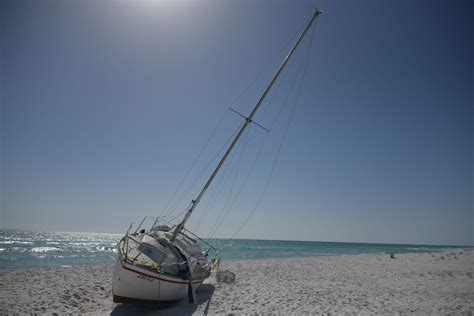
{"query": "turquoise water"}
[(25, 249)]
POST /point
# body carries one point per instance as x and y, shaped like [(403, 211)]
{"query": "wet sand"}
[(436, 283)]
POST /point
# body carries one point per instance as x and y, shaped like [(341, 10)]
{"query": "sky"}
[(113, 110)]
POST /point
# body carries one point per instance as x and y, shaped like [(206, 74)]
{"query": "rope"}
[(170, 211), (231, 166), (264, 112), (218, 189), (222, 215), (281, 143), (245, 181), (191, 185), (165, 208), (212, 200)]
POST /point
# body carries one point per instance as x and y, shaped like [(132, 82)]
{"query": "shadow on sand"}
[(183, 307)]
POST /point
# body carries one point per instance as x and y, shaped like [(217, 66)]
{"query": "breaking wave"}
[(44, 249)]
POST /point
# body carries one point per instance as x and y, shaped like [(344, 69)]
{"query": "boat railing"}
[(203, 241), (126, 246), (155, 220)]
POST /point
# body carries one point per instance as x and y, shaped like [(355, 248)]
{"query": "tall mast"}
[(248, 120)]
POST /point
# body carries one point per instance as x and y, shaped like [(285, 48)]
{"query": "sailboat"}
[(169, 263)]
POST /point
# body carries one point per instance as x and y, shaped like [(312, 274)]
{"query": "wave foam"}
[(44, 249)]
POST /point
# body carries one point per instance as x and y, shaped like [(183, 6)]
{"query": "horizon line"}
[(259, 239)]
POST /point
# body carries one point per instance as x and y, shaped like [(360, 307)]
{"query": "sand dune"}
[(439, 283)]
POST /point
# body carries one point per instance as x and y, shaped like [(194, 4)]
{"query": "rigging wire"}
[(193, 183), (171, 219), (242, 186), (249, 135), (292, 38), (231, 167), (174, 205), (218, 189), (266, 108), (286, 98), (282, 141), (168, 212), (225, 176), (223, 213), (165, 208)]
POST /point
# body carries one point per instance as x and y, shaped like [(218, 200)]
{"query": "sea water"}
[(26, 249)]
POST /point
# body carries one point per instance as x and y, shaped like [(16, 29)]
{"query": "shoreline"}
[(319, 255), (441, 282)]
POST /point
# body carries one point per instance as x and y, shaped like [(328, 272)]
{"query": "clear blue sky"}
[(105, 105)]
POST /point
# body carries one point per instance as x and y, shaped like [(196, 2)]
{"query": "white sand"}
[(438, 283)]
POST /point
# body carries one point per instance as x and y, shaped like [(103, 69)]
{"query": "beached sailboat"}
[(163, 263)]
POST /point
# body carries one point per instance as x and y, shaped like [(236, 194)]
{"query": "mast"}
[(248, 120)]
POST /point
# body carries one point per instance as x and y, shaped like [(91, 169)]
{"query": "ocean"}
[(27, 249)]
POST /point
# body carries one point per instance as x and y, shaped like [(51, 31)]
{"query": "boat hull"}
[(132, 284)]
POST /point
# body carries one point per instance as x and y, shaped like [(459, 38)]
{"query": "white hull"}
[(134, 284), (149, 269)]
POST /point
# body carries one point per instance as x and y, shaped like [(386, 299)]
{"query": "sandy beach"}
[(439, 283)]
